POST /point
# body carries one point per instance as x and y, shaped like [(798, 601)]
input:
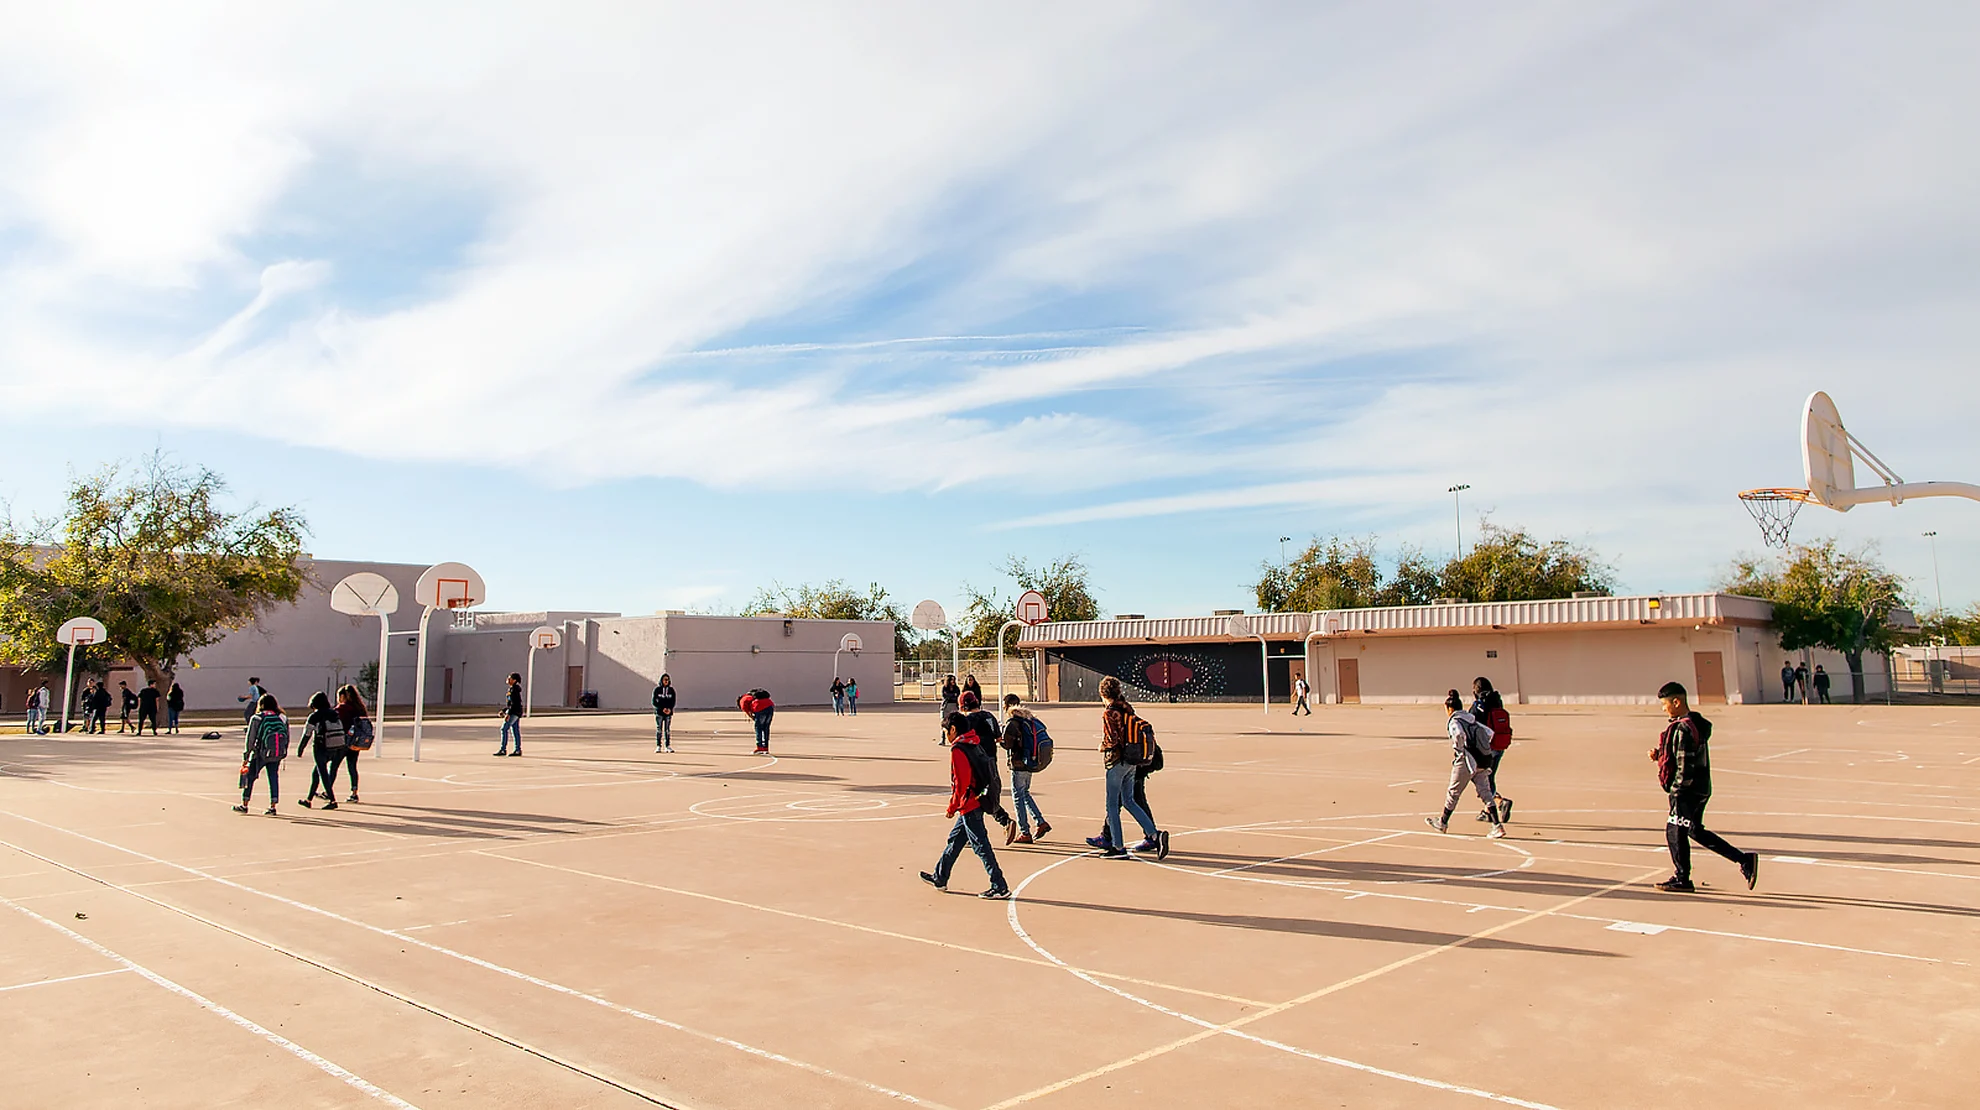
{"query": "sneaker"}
[(1043, 828), (1022, 838), (1749, 868), (1162, 847), (1114, 853), (1011, 835), (518, 751), (1675, 885), (1434, 823), (1092, 841), (929, 878), (352, 798), (242, 808), (1486, 815), (504, 751), (1498, 833), (996, 892), (670, 749), (1505, 810), (657, 750), (1151, 844), (270, 811), (330, 805), (304, 802)]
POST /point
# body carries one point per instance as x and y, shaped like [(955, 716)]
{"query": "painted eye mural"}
[(1167, 674)]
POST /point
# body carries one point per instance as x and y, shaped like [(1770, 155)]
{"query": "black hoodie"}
[(1684, 763)]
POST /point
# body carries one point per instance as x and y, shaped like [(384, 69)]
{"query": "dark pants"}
[(663, 730), (1822, 694), (1687, 823), (172, 718), (350, 768), (1301, 704), (152, 714), (325, 775), (99, 721), (968, 829), (762, 722), (1493, 767), (274, 769)]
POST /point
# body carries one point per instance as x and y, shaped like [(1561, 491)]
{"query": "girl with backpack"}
[(358, 732), (1031, 751), (175, 704), (1490, 710), (1471, 756), (323, 737), (852, 697), (267, 745), (1125, 744)]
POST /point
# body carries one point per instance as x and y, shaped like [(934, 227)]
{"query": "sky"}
[(648, 306)]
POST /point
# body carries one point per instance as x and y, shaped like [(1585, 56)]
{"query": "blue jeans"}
[(762, 722), (838, 705), (511, 725), (255, 767), (852, 705), (172, 718), (34, 720), (663, 730), (1021, 800), (968, 829), (1120, 794)]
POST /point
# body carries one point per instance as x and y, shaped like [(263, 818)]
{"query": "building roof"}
[(1578, 613)]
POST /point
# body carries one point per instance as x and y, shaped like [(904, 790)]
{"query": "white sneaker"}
[(1498, 833), (1436, 824)]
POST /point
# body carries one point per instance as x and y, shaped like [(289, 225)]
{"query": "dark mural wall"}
[(1183, 672)]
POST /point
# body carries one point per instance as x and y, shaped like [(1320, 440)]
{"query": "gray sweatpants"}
[(1465, 769)]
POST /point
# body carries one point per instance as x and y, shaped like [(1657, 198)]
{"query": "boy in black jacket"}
[(1684, 768), (663, 715)]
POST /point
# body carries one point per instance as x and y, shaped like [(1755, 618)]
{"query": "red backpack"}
[(1500, 722)]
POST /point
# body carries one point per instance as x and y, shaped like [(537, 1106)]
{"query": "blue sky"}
[(644, 308)]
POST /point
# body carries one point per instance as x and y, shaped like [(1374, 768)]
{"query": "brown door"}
[(573, 686), (1711, 668), (1295, 670), (1349, 672), (1051, 691), (447, 687)]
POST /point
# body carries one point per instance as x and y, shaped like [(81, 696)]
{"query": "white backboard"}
[(1237, 626), (929, 617), (1826, 463), (851, 642), (450, 586), (365, 594), (544, 638), (81, 631), (1031, 608)]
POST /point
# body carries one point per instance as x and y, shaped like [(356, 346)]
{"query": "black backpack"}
[(980, 767)]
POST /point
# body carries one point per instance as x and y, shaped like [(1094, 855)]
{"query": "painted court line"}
[(522, 976), (64, 979), (212, 1007)]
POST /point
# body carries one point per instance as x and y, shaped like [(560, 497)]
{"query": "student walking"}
[(99, 705), (1787, 680), (252, 697), (1126, 742), (852, 697), (148, 708), (1684, 770), (971, 686), (512, 712), (983, 725), (1471, 758), (838, 696), (267, 746), (86, 706), (175, 704), (1030, 748), (757, 706), (968, 767), (127, 705), (1300, 690), (951, 705), (1821, 681), (1489, 709), (358, 732), (323, 739), (663, 714)]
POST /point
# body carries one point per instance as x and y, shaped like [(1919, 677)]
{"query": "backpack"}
[(1039, 743), (1500, 722), (360, 735), (272, 737), (1138, 746), (1478, 741), (980, 767), (330, 733)]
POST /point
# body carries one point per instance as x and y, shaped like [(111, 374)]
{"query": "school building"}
[(608, 659), (1583, 650)]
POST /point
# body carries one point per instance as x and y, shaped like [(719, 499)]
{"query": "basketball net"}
[(1774, 510)]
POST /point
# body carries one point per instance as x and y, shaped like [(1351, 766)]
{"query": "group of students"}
[(95, 699), (1796, 681), (845, 697), (333, 736)]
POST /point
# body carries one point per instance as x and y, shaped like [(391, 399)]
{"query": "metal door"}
[(1349, 673), (1710, 667)]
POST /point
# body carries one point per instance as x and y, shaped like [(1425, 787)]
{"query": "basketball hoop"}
[(1773, 510)]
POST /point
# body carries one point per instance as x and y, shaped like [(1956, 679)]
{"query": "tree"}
[(1066, 582), (1825, 598), (1508, 564), (832, 601), (1942, 627), (152, 555)]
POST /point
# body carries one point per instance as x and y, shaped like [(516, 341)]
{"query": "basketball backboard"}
[(1031, 607), (545, 638), (851, 642), (450, 586), (81, 632), (929, 617), (1237, 626), (1827, 464), (365, 594)]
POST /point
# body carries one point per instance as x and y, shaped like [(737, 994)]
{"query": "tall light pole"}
[(1937, 590), (1457, 510), (1283, 540)]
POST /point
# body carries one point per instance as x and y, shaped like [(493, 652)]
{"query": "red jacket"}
[(963, 786)]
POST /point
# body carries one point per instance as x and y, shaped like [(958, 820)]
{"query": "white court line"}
[(1781, 755), (215, 1008), (559, 988), (1306, 855), (64, 979)]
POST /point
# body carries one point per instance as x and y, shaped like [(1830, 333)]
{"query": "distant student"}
[(1801, 681), (1299, 696), (1787, 680), (359, 734), (951, 705), (128, 703), (984, 726), (1684, 770), (663, 714), (852, 697), (36, 700), (252, 697), (512, 714), (971, 686), (1030, 748), (1120, 733), (968, 767), (838, 696), (1821, 681), (148, 708), (1489, 709), (267, 746), (757, 706), (1471, 757), (175, 704), (99, 704), (323, 739)]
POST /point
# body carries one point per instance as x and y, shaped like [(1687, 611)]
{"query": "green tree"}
[(1334, 573), (1826, 598), (833, 600), (1943, 627), (152, 554), (1508, 564), (1066, 582)]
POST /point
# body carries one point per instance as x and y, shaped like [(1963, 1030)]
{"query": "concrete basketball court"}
[(595, 925)]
